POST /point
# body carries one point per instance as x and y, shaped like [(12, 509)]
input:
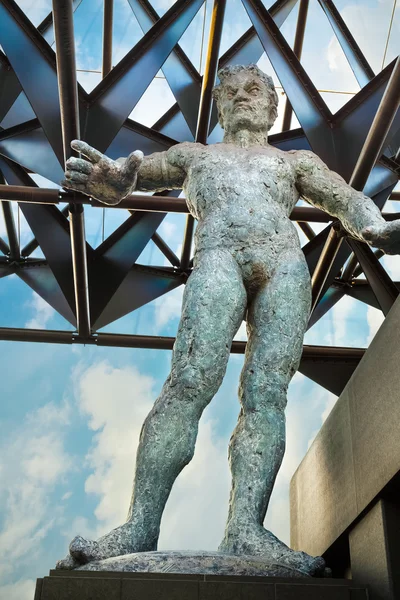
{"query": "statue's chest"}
[(221, 172)]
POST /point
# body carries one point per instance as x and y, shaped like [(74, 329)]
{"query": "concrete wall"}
[(357, 451)]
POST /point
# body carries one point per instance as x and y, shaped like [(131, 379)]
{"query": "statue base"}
[(193, 563), (127, 585)]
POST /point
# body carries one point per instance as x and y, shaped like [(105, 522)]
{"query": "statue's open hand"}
[(106, 180), (386, 237)]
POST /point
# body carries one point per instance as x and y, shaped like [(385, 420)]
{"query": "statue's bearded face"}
[(245, 102)]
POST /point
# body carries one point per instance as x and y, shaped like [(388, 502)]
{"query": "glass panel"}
[(236, 22), (322, 56), (335, 100), (194, 40), (393, 47), (20, 112), (345, 324), (368, 21), (88, 79), (161, 6), (113, 218), (88, 26), (156, 100), (126, 30), (35, 10)]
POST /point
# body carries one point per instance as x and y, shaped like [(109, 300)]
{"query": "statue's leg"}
[(214, 305), (277, 320)]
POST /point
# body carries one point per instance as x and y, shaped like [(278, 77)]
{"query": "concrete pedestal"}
[(80, 585)]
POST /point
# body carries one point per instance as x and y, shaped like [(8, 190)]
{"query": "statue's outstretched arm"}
[(358, 214), (110, 181)]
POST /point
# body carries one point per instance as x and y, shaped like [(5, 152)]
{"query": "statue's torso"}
[(242, 197)]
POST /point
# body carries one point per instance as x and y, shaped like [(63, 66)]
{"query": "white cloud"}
[(156, 100), (23, 589), (34, 461), (42, 312), (169, 306), (308, 406), (168, 231), (196, 511), (369, 24), (375, 319), (116, 402)]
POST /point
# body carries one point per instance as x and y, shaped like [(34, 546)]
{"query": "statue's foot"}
[(254, 540), (119, 541)]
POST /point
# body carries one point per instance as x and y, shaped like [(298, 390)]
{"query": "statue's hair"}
[(227, 72)]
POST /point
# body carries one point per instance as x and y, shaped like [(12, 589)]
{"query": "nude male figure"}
[(248, 264)]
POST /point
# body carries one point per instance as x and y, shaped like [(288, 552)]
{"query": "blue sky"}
[(71, 416)]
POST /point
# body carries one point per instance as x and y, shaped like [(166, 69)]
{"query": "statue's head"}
[(246, 99)]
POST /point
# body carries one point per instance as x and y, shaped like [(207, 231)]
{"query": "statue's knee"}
[(197, 380), (264, 390)]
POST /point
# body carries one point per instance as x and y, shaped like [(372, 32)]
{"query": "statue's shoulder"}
[(181, 155), (304, 159)]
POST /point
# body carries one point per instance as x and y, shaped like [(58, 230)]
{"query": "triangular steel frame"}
[(92, 288)]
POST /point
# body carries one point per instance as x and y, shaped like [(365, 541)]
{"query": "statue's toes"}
[(83, 551), (67, 564), (317, 567)]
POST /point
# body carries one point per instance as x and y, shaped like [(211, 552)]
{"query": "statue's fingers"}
[(79, 164), (68, 563), (133, 162), (91, 153), (69, 184), (76, 177)]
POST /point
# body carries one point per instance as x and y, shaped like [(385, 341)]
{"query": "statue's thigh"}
[(277, 318), (214, 305)]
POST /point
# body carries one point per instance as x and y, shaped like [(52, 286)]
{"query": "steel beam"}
[(33, 244), (156, 203), (4, 248), (34, 64), (358, 270), (353, 121), (182, 77), (297, 49), (369, 154), (166, 250), (28, 145), (385, 290), (141, 285), (116, 96), (107, 37), (380, 127), (11, 230), (311, 110), (158, 343), (247, 49), (115, 257), (68, 92), (307, 230), (79, 264), (203, 123)]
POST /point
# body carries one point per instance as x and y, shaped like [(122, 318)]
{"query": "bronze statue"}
[(248, 264)]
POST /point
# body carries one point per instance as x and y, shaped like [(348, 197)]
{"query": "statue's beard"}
[(244, 119)]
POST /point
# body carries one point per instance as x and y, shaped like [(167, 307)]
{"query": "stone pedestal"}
[(81, 585)]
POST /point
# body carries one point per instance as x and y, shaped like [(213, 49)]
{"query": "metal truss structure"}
[(93, 287)]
